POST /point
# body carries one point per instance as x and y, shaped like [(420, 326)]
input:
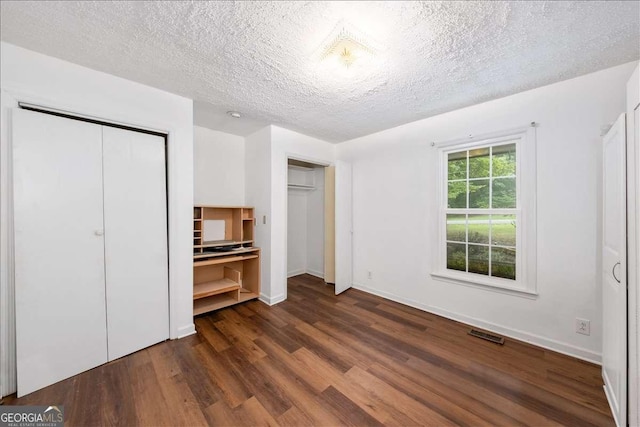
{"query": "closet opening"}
[(310, 235)]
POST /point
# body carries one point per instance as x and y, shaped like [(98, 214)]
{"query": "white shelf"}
[(301, 178), (301, 187), (300, 168)]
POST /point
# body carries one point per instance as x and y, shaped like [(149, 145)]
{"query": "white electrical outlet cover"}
[(583, 326)]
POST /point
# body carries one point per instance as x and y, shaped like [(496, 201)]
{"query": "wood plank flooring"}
[(320, 359)]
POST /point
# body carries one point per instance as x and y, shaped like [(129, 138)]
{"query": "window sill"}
[(489, 285)]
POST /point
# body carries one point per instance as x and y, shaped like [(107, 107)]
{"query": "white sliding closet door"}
[(59, 248), (135, 217), (343, 226)]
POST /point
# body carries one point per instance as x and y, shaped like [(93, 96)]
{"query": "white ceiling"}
[(258, 57)]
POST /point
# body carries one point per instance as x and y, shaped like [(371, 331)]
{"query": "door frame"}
[(292, 156), (620, 414), (633, 245), (11, 98)]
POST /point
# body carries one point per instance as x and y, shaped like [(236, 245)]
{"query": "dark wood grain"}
[(320, 359)]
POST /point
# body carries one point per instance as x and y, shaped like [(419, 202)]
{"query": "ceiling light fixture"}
[(346, 45), (234, 114)]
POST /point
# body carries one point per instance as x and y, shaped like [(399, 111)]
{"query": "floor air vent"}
[(485, 336)]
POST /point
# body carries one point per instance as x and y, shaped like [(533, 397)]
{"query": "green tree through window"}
[(481, 215)]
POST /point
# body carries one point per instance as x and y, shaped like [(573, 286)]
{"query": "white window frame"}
[(525, 282)]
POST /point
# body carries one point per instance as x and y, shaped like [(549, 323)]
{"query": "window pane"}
[(504, 160), (456, 256), (479, 194), (479, 229), (503, 262), (479, 259), (457, 195), (483, 180), (503, 230), (504, 193), (479, 163), (456, 228), (457, 165)]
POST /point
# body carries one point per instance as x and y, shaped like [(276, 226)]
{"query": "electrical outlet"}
[(583, 326), (369, 275)]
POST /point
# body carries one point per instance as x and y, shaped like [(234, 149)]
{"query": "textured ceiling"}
[(258, 57)]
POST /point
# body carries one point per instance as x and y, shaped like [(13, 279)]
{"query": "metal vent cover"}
[(487, 336)]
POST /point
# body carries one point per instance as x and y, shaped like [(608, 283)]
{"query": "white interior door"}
[(634, 333), (59, 248), (135, 223), (343, 226), (330, 224), (614, 269), (633, 242)]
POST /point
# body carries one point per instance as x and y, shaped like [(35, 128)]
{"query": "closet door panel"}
[(330, 224), (59, 249), (135, 216), (343, 226)]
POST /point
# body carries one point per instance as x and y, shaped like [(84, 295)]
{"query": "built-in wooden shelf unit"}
[(226, 265)]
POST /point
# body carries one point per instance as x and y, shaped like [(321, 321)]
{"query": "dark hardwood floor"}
[(321, 359)]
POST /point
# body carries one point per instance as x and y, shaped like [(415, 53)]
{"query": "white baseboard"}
[(296, 272), (540, 341), (271, 300), (300, 271), (610, 398), (185, 331), (315, 273)]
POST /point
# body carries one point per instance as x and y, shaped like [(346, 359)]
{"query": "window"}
[(487, 212)]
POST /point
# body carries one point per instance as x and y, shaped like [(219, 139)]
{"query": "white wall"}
[(43, 80), (296, 232), (395, 213), (218, 160), (258, 195), (315, 226)]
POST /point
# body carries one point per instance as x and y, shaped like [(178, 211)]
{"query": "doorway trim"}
[(293, 156), (633, 244)]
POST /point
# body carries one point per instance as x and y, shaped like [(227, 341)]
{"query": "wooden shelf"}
[(223, 207), (221, 243), (235, 252), (223, 260), (224, 277), (209, 304), (246, 296), (203, 290)]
